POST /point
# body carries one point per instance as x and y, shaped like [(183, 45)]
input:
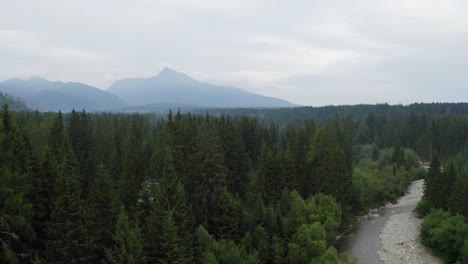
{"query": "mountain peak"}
[(172, 75), (37, 79)]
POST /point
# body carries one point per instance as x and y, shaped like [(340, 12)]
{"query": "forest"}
[(445, 208), (201, 188)]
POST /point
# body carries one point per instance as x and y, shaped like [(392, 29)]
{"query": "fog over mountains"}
[(44, 95), (168, 88), (174, 87)]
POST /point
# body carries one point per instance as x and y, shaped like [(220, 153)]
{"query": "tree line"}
[(187, 188), (445, 208)]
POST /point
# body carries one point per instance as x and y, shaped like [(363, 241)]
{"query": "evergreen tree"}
[(332, 156), (102, 212), (68, 238), (16, 232), (44, 185), (169, 234), (235, 156), (227, 212), (269, 177), (434, 183), (81, 139), (209, 176), (449, 175), (56, 138), (128, 243), (458, 200), (398, 156), (133, 170)]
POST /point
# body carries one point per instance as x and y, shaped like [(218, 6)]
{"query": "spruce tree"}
[(44, 185), (331, 156), (169, 227), (128, 243), (81, 139), (68, 237), (102, 212), (16, 232), (209, 175), (235, 156), (434, 182), (133, 170), (449, 178), (458, 199)]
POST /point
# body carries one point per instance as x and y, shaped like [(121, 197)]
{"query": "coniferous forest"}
[(197, 188)]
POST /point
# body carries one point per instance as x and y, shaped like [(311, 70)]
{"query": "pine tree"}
[(269, 177), (458, 200), (128, 243), (81, 139), (434, 182), (68, 238), (102, 211), (331, 156), (44, 185), (209, 176), (235, 156), (16, 232), (133, 170), (398, 156), (226, 221), (56, 138), (169, 234), (449, 175)]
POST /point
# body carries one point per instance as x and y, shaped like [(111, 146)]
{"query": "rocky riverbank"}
[(399, 238)]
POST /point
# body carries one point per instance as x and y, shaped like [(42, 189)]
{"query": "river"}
[(390, 234)]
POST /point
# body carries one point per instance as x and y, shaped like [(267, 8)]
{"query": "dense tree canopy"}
[(137, 188)]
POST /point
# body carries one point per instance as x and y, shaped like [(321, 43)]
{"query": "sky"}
[(305, 51)]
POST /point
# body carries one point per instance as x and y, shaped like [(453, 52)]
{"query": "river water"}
[(390, 234)]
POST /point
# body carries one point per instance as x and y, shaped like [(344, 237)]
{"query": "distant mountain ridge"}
[(167, 90), (13, 103), (172, 87), (39, 93)]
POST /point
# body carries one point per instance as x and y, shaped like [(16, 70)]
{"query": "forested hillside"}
[(323, 113), (120, 188), (445, 207), (14, 103)]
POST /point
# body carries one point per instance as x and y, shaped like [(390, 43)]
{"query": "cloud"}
[(309, 52)]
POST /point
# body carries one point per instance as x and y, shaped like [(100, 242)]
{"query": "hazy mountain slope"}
[(178, 88), (44, 95), (14, 104)]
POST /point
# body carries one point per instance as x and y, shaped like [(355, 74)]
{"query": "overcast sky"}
[(308, 52)]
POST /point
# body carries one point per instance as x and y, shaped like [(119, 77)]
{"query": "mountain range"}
[(44, 95), (168, 88), (171, 87)]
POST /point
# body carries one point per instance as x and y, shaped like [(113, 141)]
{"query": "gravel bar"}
[(399, 238)]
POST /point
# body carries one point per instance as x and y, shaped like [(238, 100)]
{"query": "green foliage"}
[(102, 212), (128, 243), (133, 168), (446, 235), (376, 179), (423, 208), (258, 187), (67, 233), (458, 199), (308, 244), (331, 152), (16, 231), (169, 224), (222, 251)]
